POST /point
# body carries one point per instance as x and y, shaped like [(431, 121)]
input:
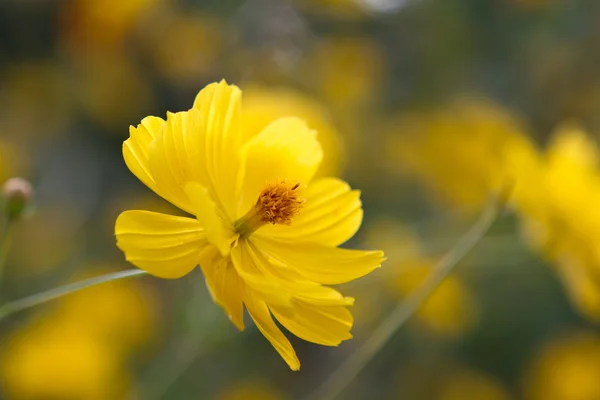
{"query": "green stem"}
[(341, 377), (4, 246), (52, 294)]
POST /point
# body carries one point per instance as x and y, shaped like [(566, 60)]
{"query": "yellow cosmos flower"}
[(264, 235)]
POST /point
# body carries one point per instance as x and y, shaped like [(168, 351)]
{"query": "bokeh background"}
[(427, 106)]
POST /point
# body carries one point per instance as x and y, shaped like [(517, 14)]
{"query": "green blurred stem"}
[(52, 294), (5, 242), (340, 378)]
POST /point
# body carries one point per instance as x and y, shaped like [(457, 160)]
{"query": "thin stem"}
[(4, 246), (43, 297), (341, 377)]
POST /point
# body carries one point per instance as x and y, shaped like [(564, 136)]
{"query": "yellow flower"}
[(54, 359), (560, 214), (264, 235), (566, 368), (462, 152)]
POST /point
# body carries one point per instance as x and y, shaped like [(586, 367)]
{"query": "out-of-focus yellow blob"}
[(52, 360), (566, 368), (113, 91), (560, 214), (468, 384), (348, 71), (102, 22), (461, 152), (251, 390), (121, 313), (185, 46), (81, 348), (262, 106)]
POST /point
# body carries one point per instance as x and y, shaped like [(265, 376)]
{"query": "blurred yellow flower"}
[(348, 71), (121, 313), (560, 214), (262, 106), (265, 237), (462, 152), (566, 368), (184, 46), (88, 23), (80, 349), (54, 359)]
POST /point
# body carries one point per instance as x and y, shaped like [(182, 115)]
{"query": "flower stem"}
[(43, 297), (4, 246), (340, 378)]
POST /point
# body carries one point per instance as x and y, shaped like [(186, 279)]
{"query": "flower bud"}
[(17, 194)]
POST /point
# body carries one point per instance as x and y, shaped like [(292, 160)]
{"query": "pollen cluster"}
[(279, 202)]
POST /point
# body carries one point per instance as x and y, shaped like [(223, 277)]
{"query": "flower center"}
[(277, 203)]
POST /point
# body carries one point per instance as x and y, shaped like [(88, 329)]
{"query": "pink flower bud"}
[(17, 194)]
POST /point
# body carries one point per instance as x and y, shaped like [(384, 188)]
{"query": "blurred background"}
[(427, 106)]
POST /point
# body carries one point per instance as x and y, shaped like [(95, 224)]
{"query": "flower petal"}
[(331, 215), (259, 312), (285, 149), (322, 264), (163, 245), (264, 288), (327, 326), (218, 230), (201, 145), (224, 285), (170, 154), (219, 104), (135, 149), (294, 283)]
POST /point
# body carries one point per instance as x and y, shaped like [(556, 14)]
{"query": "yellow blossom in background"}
[(461, 152), (262, 106), (122, 313), (53, 359), (112, 89), (184, 46), (560, 214), (566, 368), (264, 235), (348, 72), (89, 23), (81, 348)]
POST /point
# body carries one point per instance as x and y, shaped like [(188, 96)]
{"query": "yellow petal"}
[(224, 285), (291, 281), (200, 145), (135, 149), (322, 264), (218, 230), (163, 245), (255, 281), (259, 312), (327, 326), (219, 104), (170, 154), (285, 149), (331, 215)]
